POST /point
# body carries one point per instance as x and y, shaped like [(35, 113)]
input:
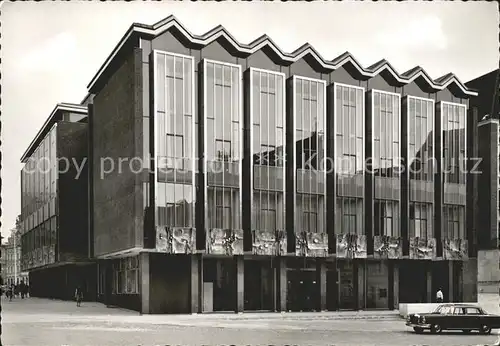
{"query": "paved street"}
[(46, 322)]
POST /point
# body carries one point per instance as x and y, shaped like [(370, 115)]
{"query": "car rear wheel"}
[(418, 330), (436, 329), (485, 329)]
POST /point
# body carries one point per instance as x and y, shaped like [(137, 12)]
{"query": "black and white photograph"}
[(250, 173)]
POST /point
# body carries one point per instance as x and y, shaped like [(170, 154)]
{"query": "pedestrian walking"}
[(78, 296), (439, 296), (22, 289), (11, 292)]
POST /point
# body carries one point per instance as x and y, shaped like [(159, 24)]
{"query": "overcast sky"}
[(51, 50)]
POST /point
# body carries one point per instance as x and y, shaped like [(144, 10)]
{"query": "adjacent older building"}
[(11, 260), (233, 177), (54, 207), (488, 135)]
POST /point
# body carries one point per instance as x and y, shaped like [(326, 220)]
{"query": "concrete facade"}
[(188, 240)]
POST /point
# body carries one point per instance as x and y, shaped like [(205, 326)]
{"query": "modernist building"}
[(11, 260), (236, 206), (233, 177), (487, 103), (54, 207)]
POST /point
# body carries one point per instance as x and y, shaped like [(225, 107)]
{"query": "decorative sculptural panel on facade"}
[(422, 248), (227, 242), (455, 249), (386, 247), (351, 246)]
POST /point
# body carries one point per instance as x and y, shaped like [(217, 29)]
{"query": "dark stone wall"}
[(61, 282), (486, 86), (72, 145), (117, 138), (487, 192), (169, 284)]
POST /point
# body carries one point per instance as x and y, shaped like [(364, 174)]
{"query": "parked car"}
[(465, 317)]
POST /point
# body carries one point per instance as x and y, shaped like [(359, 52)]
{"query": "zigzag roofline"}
[(264, 41)]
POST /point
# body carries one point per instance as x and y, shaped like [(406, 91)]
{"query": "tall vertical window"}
[(386, 134), (453, 132), (454, 222), (421, 220), (310, 151), (386, 217), (223, 143), (174, 139), (268, 148), (349, 130), (386, 161), (453, 169), (421, 164)]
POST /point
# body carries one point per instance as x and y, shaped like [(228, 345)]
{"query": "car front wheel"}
[(436, 329), (418, 330), (485, 329)]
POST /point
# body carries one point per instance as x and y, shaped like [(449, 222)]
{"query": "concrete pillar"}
[(201, 288), (361, 285), (281, 285), (395, 285), (451, 289), (240, 283), (194, 284), (321, 283), (145, 282), (430, 294)]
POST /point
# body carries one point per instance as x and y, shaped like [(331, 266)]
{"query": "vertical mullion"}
[(215, 188), (162, 136), (174, 114), (262, 223), (183, 88)]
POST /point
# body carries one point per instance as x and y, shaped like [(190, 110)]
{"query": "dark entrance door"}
[(346, 286), (412, 281), (302, 290)]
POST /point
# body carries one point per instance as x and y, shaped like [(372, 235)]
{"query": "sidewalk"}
[(37, 309)]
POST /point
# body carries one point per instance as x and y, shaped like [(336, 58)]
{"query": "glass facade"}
[(38, 199), (453, 131), (386, 162), (126, 276), (268, 149), (421, 164), (349, 129), (223, 118), (453, 165), (175, 140), (310, 152)]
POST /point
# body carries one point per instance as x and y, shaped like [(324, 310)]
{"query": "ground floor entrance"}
[(204, 284)]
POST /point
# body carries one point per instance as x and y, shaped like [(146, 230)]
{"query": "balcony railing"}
[(454, 193), (422, 191), (387, 188), (268, 178), (221, 173), (311, 182), (350, 185)]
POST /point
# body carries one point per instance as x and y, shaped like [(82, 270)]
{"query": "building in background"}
[(488, 135), (54, 207), (237, 210), (11, 260)]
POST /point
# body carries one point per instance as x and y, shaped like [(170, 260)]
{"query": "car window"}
[(458, 311), (473, 311), (445, 310)]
